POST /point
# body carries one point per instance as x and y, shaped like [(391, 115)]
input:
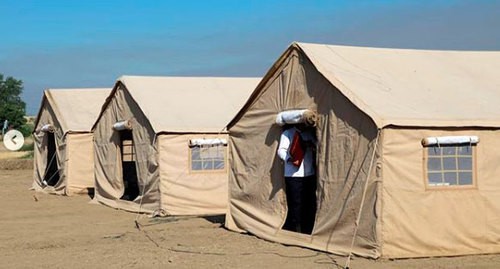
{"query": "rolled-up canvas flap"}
[(306, 116), (122, 125), (200, 142), (47, 128), (450, 140)]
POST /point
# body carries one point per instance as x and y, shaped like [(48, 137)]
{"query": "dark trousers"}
[(301, 201)]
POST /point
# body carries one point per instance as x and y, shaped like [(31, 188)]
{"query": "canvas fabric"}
[(108, 174), (418, 221), (76, 110), (79, 163), (168, 102), (72, 112), (346, 141), (40, 153), (166, 112), (406, 87), (374, 108), (186, 191)]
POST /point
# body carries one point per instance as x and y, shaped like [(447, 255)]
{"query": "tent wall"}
[(346, 138), (419, 222), (187, 192), (108, 173), (41, 160), (80, 163)]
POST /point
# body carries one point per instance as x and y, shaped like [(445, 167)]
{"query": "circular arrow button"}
[(13, 140)]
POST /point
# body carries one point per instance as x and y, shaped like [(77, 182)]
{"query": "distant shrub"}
[(28, 155), (26, 129), (27, 147)]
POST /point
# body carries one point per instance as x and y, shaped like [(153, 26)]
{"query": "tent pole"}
[(356, 225)]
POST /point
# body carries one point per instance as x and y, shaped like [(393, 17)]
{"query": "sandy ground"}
[(13, 160), (48, 231), (11, 154)]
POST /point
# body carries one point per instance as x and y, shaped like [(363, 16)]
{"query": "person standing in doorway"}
[(297, 149)]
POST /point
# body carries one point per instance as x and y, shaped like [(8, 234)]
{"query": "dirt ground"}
[(13, 160), (48, 231)]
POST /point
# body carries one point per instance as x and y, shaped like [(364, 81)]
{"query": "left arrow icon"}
[(13, 140)]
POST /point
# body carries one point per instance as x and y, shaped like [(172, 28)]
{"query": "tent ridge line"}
[(345, 90)]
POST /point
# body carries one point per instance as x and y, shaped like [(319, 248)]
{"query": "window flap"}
[(450, 140), (200, 142)]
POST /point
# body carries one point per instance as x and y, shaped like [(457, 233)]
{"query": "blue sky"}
[(71, 44)]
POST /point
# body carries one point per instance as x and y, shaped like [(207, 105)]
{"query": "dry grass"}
[(11, 154), (7, 154)]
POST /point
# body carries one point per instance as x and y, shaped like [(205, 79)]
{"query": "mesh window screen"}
[(450, 165), (210, 157)]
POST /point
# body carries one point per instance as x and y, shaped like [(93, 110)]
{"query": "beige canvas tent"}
[(407, 155), (63, 148), (161, 143)]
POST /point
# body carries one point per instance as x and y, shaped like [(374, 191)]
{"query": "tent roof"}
[(76, 109), (407, 87), (189, 104)]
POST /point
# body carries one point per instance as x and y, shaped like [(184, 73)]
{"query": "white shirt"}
[(306, 168)]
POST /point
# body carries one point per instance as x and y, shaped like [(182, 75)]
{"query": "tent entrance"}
[(301, 191), (51, 176), (129, 170)]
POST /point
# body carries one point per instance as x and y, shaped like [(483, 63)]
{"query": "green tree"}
[(12, 107)]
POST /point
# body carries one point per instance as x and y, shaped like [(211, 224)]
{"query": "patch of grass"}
[(28, 155), (26, 129), (27, 147)]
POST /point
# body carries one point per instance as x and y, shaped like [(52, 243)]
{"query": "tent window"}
[(451, 165), (208, 158)]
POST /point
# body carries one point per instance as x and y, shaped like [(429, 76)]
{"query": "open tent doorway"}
[(51, 177), (129, 170), (297, 148), (176, 175)]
